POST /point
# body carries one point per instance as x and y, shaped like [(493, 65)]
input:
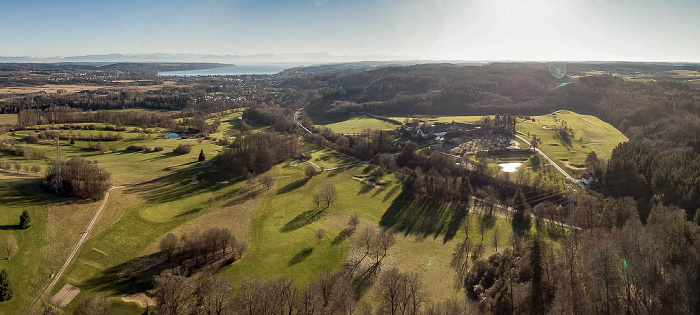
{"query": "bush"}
[(80, 178), (158, 149), (183, 149), (135, 148)]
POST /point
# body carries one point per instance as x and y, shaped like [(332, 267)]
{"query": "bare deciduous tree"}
[(214, 295), (9, 247), (328, 194), (319, 233), (169, 244), (174, 293), (94, 305), (267, 180), (309, 171)]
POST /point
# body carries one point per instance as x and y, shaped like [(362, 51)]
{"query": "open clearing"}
[(354, 124), (73, 88), (590, 134)]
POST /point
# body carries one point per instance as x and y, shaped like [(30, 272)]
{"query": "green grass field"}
[(56, 226), (125, 167), (591, 134), (354, 124), (229, 123)]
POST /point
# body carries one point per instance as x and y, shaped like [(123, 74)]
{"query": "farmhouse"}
[(587, 178)]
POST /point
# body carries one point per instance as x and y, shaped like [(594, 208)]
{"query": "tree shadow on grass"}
[(391, 192), (9, 227), (292, 186), (454, 224), (188, 212), (303, 219), (344, 234), (420, 217), (130, 277), (301, 256), (179, 185), (365, 188)]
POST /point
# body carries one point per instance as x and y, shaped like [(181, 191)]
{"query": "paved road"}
[(561, 170)]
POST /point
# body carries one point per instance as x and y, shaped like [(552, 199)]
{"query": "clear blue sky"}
[(440, 29)]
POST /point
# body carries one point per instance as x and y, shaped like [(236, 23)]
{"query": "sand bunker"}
[(64, 296)]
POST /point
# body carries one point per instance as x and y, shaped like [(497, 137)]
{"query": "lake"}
[(233, 70)]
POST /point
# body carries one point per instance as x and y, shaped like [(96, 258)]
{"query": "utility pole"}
[(58, 180)]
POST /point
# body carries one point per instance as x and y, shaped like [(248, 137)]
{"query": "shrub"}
[(158, 149), (183, 149), (135, 148)]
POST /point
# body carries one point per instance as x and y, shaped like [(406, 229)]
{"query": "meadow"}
[(590, 134), (354, 124)]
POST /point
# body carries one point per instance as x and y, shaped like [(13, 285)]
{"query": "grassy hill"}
[(353, 124), (590, 134)]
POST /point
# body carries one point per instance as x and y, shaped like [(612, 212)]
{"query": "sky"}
[(640, 30)]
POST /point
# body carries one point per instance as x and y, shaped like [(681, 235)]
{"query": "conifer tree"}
[(201, 156), (5, 290), (24, 220)]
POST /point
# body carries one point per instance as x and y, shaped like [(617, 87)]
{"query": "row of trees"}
[(202, 247), (17, 166)]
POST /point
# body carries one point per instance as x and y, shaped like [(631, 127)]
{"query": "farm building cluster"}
[(459, 138)]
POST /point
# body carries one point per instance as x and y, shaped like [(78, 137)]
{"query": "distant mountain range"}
[(232, 59)]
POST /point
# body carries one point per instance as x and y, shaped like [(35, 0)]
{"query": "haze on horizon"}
[(430, 30)]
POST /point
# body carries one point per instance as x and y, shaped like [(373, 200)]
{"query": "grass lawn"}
[(56, 226), (136, 218), (229, 123), (8, 119), (125, 167), (327, 158), (354, 124), (591, 134)]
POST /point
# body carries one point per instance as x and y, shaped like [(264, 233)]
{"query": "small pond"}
[(509, 167)]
